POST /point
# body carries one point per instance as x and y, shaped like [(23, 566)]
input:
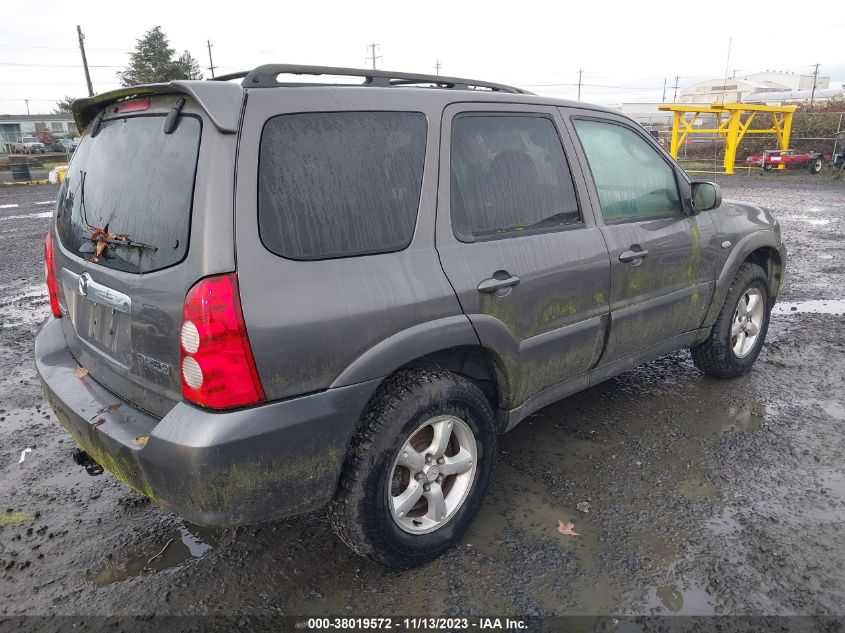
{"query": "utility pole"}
[(210, 61), (675, 96), (373, 56), (813, 93), (579, 84), (84, 61), (27, 106), (663, 99), (437, 66)]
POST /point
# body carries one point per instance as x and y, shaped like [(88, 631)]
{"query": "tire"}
[(364, 511), (726, 353), (816, 165), (767, 166)]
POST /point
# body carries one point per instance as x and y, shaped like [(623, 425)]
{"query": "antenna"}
[(727, 64)]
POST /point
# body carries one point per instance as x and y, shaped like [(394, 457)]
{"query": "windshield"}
[(126, 200), (28, 139)]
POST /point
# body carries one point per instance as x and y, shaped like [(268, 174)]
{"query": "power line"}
[(56, 65), (586, 85), (63, 49), (28, 99)]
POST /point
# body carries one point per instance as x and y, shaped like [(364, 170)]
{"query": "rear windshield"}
[(339, 184), (136, 182)]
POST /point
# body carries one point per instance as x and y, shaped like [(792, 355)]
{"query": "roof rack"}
[(267, 76)]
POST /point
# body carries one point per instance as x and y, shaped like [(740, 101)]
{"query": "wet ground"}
[(702, 496)]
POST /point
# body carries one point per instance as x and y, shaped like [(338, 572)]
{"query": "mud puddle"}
[(812, 306), (809, 220), (15, 420), (27, 306), (748, 416), (189, 543), (671, 599)]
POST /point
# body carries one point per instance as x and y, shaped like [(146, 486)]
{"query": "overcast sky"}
[(625, 49)]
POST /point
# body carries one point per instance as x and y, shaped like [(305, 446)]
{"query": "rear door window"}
[(137, 182), (509, 177), (340, 184)]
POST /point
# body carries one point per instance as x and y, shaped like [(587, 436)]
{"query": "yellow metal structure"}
[(733, 121)]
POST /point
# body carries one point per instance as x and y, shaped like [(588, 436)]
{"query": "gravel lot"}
[(705, 496)]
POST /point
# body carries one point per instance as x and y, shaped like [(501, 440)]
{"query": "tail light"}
[(217, 367), (50, 276)]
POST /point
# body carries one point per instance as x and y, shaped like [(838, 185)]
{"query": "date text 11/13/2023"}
[(425, 624)]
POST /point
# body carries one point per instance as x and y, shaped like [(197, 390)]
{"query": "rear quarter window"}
[(340, 184)]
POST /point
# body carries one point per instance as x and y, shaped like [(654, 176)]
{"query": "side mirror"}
[(705, 196)]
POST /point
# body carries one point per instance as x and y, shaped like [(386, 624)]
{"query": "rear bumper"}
[(217, 469)]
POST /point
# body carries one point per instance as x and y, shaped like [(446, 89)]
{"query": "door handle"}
[(491, 285), (627, 257)]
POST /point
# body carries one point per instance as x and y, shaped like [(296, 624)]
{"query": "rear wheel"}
[(740, 329), (767, 166), (417, 469), (816, 165)]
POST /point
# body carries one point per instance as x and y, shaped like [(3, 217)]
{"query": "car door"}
[(519, 244), (662, 256)]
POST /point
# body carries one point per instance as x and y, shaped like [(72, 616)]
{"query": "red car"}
[(771, 158)]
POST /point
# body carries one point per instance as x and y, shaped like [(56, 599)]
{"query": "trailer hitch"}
[(87, 462)]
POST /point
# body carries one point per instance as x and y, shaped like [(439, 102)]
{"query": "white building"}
[(796, 96), (15, 126), (738, 89), (646, 114)]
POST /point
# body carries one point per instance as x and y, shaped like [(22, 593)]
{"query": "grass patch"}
[(13, 518)]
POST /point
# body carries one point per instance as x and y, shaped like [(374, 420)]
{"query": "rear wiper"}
[(101, 238), (172, 118)]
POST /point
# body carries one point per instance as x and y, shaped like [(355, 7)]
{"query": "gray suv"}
[(273, 296)]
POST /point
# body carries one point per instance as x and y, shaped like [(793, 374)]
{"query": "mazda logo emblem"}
[(84, 279)]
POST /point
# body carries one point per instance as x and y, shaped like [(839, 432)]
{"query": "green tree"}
[(153, 62), (63, 106), (188, 66)]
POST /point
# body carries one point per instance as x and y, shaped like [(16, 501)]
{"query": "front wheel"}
[(740, 329), (816, 165), (417, 470)]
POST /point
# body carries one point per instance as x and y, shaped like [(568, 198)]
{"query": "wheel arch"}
[(769, 259), (762, 248), (450, 343)]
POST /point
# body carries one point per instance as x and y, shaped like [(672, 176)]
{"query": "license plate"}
[(100, 317)]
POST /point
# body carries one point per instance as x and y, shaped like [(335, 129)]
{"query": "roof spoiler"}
[(221, 101)]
